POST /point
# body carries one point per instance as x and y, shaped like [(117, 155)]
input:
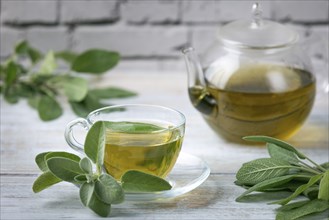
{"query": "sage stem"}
[(306, 165), (317, 165), (308, 170), (98, 170)]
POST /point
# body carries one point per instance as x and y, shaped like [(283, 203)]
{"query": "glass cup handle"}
[(69, 137)]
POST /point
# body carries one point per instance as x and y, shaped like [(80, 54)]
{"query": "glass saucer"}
[(188, 173)]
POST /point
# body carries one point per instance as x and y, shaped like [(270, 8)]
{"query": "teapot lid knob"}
[(257, 19), (256, 33)]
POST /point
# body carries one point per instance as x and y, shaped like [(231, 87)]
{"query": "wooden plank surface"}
[(23, 136)]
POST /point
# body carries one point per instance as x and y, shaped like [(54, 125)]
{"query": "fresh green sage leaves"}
[(136, 181), (95, 61), (41, 82), (98, 190), (286, 169)]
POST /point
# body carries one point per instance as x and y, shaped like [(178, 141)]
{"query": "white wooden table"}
[(23, 136)]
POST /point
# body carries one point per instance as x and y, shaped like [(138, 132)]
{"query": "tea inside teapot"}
[(260, 99)]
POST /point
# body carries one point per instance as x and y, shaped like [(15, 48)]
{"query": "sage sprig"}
[(28, 74), (98, 190), (287, 169)]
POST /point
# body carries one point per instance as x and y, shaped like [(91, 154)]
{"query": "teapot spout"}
[(201, 99)]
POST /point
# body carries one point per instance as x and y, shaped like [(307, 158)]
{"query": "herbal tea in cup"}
[(138, 137)]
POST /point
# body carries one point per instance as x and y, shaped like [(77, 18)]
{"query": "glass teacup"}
[(138, 137)]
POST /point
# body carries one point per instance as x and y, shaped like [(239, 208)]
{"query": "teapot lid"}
[(257, 33)]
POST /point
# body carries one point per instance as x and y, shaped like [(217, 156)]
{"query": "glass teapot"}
[(254, 80)]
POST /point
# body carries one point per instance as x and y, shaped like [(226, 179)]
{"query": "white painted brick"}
[(157, 11), (29, 11), (72, 11), (234, 10), (302, 31), (9, 37), (200, 11), (132, 41), (203, 38), (153, 65), (302, 11), (48, 38), (320, 42), (220, 11), (313, 40)]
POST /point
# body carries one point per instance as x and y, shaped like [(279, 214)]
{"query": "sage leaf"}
[(262, 169), (49, 63), (12, 72), (34, 55), (95, 61), (86, 192), (291, 186), (44, 181), (41, 161), (11, 95), (313, 206), (87, 105), (132, 127), (324, 187), (111, 92), (48, 108), (2, 72), (282, 154), (25, 91), (291, 206), (299, 190), (325, 165), (137, 181), (311, 192), (273, 182), (109, 190), (95, 143), (81, 179), (63, 168), (86, 165), (63, 154), (75, 88), (67, 56), (22, 48), (89, 199), (277, 142), (33, 101)]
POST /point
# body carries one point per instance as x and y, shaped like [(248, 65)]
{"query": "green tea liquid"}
[(257, 100), (153, 152)]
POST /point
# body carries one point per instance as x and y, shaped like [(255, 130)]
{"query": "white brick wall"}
[(302, 11), (203, 37), (8, 39), (233, 10), (132, 41), (148, 29), (200, 11), (28, 11), (48, 38), (73, 11), (219, 11), (320, 38), (156, 11)]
